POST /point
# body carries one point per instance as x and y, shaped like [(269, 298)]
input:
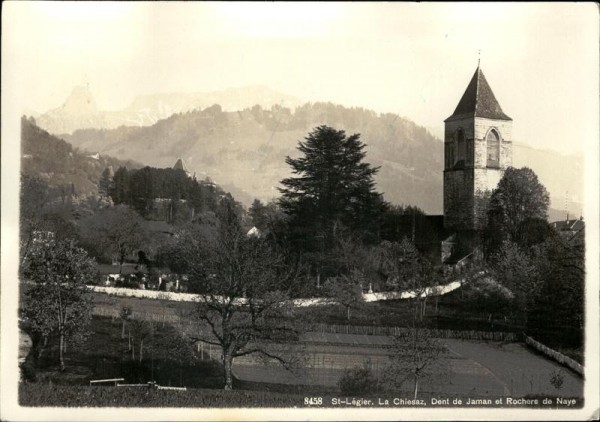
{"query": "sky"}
[(413, 59)]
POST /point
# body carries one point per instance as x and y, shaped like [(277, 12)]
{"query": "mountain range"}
[(80, 111), (244, 148)]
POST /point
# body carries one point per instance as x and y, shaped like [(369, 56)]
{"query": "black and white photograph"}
[(285, 211)]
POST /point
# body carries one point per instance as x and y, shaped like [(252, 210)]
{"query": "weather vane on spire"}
[(478, 57)]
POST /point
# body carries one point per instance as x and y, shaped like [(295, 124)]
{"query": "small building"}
[(254, 232), (114, 275), (569, 229)]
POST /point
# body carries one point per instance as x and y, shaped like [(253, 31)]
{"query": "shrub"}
[(358, 381), (28, 371)]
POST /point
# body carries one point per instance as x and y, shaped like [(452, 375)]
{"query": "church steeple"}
[(477, 151), (478, 101)]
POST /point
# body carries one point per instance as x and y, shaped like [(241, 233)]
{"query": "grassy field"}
[(104, 354), (476, 370), (473, 369)]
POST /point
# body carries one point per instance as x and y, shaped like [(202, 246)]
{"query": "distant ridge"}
[(80, 111)]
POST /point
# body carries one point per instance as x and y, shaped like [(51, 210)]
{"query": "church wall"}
[(449, 138), (481, 127), (458, 199)]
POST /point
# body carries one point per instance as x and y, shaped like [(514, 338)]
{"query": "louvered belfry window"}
[(461, 146), (493, 148)]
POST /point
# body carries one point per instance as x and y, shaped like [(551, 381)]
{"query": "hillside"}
[(232, 146), (247, 148), (80, 111), (58, 163)]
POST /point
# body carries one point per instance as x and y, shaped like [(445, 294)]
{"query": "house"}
[(126, 275), (570, 230), (254, 232)]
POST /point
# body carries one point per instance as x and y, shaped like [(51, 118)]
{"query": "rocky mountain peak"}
[(80, 101)]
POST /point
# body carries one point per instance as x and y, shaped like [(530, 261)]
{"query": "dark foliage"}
[(358, 381), (165, 193), (515, 209), (333, 188)]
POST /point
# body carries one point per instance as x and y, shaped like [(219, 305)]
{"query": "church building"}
[(477, 151)]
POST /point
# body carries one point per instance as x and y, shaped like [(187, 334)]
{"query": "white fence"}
[(553, 354), (189, 297)]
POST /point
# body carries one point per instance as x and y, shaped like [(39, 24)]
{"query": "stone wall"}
[(467, 189), (504, 128), (458, 199)]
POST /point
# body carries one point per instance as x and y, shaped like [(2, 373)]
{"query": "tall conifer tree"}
[(333, 189)]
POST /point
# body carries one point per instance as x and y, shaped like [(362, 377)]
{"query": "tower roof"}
[(478, 101), (179, 165)]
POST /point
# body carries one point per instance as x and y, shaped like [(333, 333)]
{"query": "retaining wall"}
[(553, 354)]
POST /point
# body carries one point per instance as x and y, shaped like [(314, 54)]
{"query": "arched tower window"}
[(449, 154), (462, 148), (493, 148)]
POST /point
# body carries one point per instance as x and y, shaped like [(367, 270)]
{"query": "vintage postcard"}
[(325, 211)]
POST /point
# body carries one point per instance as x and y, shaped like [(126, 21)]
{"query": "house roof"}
[(114, 269), (478, 101), (179, 165), (569, 225)]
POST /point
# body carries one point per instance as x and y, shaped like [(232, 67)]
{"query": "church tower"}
[(477, 151)]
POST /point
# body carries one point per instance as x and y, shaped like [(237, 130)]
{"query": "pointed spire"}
[(179, 165), (478, 101)]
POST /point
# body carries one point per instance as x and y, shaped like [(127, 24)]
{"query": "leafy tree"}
[(560, 264), (332, 187), (258, 215), (174, 348), (411, 222), (58, 302), (515, 268), (117, 231), (245, 288), (105, 184), (346, 290), (519, 197), (489, 296), (120, 191), (358, 381), (34, 199)]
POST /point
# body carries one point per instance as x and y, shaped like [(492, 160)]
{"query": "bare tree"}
[(416, 356), (244, 307), (125, 315), (407, 270), (140, 330)]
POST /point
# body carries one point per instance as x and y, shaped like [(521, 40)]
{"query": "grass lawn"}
[(104, 354)]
